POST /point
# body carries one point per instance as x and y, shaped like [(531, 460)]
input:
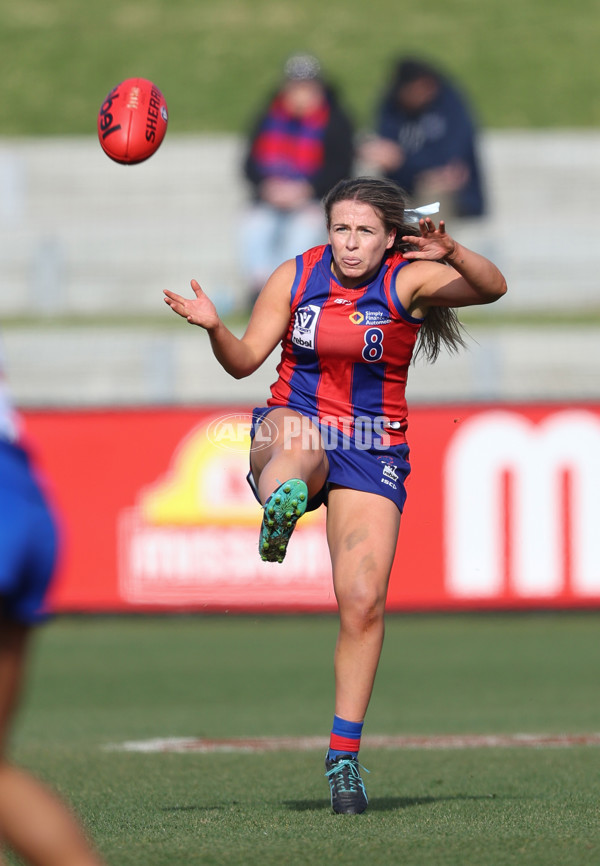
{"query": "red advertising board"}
[(502, 512)]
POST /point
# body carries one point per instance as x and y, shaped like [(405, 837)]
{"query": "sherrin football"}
[(132, 121)]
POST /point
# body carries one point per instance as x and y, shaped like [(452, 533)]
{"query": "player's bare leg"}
[(287, 445), (362, 529), (289, 466), (33, 821)]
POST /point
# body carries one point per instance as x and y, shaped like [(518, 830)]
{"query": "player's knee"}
[(361, 605), (301, 436)]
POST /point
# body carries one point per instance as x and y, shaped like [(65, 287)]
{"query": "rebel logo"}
[(106, 118), (305, 325)]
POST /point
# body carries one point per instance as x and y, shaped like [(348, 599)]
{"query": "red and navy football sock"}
[(345, 738)]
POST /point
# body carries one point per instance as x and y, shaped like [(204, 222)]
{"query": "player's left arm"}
[(446, 273)]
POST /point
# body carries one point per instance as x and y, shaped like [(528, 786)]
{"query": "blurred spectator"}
[(426, 140), (300, 146)]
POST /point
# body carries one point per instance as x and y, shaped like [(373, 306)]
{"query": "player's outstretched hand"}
[(433, 244), (198, 310)]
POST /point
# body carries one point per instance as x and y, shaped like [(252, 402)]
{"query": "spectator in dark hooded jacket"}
[(426, 140)]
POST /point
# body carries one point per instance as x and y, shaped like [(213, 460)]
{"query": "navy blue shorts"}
[(375, 470), (28, 539)]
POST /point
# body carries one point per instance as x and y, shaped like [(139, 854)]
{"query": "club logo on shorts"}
[(305, 326), (389, 475)]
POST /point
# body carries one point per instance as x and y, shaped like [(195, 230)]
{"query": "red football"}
[(132, 121)]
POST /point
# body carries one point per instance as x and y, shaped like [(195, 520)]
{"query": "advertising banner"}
[(156, 513)]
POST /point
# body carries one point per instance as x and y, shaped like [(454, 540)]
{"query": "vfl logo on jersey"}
[(305, 326)]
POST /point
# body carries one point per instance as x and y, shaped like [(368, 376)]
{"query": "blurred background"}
[(120, 397), (87, 245)]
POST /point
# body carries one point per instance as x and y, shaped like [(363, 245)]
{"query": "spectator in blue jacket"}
[(426, 140)]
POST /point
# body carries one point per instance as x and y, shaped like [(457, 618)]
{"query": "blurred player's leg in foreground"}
[(33, 821)]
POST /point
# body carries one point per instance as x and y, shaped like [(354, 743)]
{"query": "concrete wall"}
[(83, 236)]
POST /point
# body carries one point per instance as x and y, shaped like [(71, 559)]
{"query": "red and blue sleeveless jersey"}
[(346, 353)]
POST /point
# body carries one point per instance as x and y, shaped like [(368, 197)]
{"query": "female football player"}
[(349, 315)]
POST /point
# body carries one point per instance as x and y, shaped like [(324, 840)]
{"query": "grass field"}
[(100, 682), (531, 67)]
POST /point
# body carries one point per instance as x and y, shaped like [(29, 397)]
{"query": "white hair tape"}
[(413, 215)]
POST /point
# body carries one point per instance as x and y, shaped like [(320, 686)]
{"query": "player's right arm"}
[(268, 323)]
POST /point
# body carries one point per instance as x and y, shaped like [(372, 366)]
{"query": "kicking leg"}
[(289, 466)]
